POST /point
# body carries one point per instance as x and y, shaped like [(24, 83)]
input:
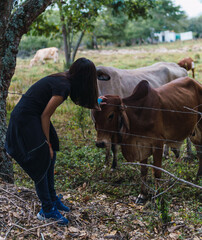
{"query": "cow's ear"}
[(125, 117), (102, 76), (141, 90)]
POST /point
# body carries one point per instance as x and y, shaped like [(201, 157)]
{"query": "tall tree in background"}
[(195, 25), (140, 19), (15, 20), (116, 17), (77, 17), (72, 18)]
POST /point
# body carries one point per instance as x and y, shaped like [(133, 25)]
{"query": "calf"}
[(45, 54), (188, 64), (149, 118)]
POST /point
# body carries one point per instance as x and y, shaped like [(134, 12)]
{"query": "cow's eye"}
[(111, 116)]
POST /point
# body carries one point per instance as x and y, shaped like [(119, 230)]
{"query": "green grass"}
[(79, 161)]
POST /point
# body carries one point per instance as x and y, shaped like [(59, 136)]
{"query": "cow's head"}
[(32, 62), (109, 120)]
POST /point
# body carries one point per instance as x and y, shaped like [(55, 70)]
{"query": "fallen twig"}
[(31, 229), (4, 190), (163, 170)]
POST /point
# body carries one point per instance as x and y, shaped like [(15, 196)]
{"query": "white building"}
[(186, 36), (171, 36)]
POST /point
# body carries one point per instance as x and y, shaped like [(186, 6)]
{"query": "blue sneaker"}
[(59, 205), (53, 214)]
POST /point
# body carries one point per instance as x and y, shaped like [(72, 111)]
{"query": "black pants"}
[(45, 188)]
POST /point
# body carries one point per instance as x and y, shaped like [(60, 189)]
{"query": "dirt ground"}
[(94, 218), (161, 49)]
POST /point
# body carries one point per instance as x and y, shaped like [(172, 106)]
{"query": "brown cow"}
[(149, 118), (188, 64)]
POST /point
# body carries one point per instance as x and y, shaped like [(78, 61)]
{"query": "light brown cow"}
[(121, 82), (188, 64), (45, 54), (149, 118)]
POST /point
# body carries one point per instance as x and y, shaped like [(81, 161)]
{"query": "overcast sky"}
[(193, 8)]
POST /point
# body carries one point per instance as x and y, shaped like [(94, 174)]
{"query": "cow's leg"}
[(114, 151), (199, 155), (143, 195)]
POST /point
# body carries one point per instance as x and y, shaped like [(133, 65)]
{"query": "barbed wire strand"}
[(14, 93), (147, 137), (120, 144), (146, 108), (157, 109)]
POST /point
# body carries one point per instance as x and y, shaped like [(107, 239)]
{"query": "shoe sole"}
[(40, 217)]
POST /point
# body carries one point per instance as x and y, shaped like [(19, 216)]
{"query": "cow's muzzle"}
[(100, 144)]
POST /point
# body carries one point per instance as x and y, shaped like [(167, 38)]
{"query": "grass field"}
[(80, 163)]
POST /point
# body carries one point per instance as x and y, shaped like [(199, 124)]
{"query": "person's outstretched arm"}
[(50, 108)]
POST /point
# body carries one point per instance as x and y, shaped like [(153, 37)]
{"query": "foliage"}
[(79, 17), (81, 115), (130, 28), (195, 25), (111, 27), (47, 24), (133, 9), (166, 15), (163, 207)]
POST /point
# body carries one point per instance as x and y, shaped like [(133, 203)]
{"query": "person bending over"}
[(31, 138)]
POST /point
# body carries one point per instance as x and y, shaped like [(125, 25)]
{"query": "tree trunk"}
[(77, 45), (66, 50), (12, 28)]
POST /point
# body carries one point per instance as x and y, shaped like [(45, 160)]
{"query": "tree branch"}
[(26, 13), (161, 169)]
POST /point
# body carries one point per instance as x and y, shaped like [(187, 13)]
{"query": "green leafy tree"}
[(165, 16), (195, 25), (15, 20), (77, 17), (140, 23), (47, 24), (69, 19), (114, 26), (112, 23)]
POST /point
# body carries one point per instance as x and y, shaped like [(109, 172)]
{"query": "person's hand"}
[(101, 101), (51, 150), (102, 98)]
